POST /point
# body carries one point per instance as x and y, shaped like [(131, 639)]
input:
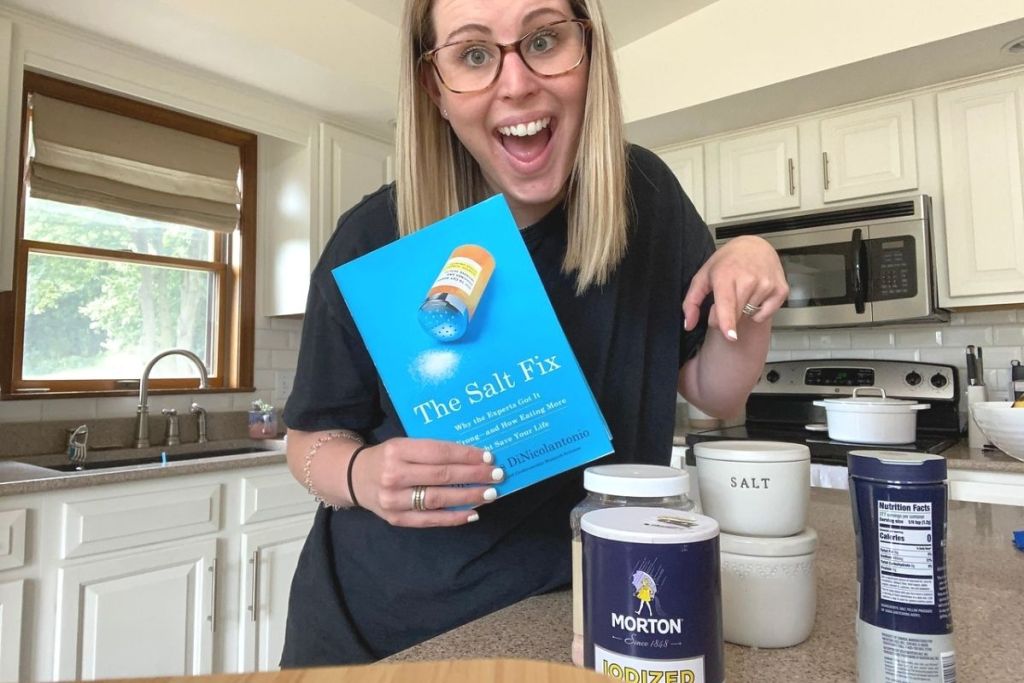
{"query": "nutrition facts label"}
[(905, 552)]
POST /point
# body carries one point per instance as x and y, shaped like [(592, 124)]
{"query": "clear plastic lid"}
[(636, 481)]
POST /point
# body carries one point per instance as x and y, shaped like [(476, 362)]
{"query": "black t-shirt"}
[(364, 589)]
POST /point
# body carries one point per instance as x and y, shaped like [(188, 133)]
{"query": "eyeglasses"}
[(470, 65)]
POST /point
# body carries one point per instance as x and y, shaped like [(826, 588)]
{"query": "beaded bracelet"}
[(320, 441)]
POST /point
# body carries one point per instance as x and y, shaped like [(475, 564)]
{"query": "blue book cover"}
[(469, 348)]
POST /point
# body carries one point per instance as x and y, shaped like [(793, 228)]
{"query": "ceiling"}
[(314, 52)]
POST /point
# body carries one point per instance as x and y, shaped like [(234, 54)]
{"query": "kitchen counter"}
[(30, 474), (986, 579)]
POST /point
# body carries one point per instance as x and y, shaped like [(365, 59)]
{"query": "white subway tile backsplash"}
[(774, 355), (962, 336), (789, 341), (264, 380), (272, 339), (286, 324), (261, 358), (900, 354), (69, 409), (1009, 335), (21, 411), (946, 355), (996, 317), (283, 360), (869, 338), (836, 339), (119, 406), (294, 340), (918, 338)]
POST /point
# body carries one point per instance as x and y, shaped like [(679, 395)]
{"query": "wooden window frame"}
[(234, 263)]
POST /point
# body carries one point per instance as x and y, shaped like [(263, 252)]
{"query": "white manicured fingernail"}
[(731, 334), (473, 517), (488, 458), (497, 474), (491, 494)]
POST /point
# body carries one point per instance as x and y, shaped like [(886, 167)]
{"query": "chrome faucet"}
[(200, 413), (173, 435), (142, 412), (78, 444)]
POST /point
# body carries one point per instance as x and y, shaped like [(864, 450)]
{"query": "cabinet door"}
[(11, 593), (758, 172), (869, 152), (980, 128), (351, 167), (142, 614), (687, 164), (269, 557)]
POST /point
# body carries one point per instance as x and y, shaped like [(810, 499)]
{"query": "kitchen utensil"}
[(871, 419), (763, 578), (972, 377), (1003, 425), (754, 488)]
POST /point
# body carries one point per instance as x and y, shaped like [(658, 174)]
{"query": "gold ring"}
[(419, 498), (750, 309)]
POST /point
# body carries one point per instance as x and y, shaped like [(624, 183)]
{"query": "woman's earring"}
[(444, 113)]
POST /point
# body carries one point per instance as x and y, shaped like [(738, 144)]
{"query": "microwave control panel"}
[(892, 268)]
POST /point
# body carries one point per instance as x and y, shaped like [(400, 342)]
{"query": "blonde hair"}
[(437, 176)]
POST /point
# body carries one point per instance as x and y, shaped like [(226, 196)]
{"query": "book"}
[(468, 346)]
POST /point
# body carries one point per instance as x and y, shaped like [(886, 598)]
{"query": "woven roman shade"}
[(91, 157)]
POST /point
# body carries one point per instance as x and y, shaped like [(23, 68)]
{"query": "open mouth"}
[(526, 142)]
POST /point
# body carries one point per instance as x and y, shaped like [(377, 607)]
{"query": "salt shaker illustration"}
[(453, 299)]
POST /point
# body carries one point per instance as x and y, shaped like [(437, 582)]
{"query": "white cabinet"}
[(980, 136), (303, 189), (11, 596), (687, 163), (140, 614), (757, 172), (351, 167), (269, 556), (868, 152), (150, 577)]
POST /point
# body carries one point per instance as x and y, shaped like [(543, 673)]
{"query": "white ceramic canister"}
[(871, 419), (624, 485), (652, 595), (754, 488), (768, 589)]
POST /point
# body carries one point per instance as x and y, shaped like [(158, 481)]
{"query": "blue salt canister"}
[(652, 595), (904, 625)]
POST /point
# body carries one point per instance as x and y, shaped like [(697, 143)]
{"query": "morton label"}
[(652, 611)]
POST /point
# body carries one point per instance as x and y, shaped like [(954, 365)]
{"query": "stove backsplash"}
[(1000, 332)]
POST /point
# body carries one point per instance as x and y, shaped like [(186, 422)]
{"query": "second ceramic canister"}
[(652, 595)]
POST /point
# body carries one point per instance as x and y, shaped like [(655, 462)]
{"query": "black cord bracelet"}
[(351, 462)]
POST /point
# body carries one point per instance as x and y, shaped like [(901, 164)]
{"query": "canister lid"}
[(636, 481), (649, 525), (897, 467), (752, 451), (803, 543)]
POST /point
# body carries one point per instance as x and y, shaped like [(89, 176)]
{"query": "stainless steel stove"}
[(781, 408)]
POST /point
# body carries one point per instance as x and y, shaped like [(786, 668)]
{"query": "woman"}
[(518, 97)]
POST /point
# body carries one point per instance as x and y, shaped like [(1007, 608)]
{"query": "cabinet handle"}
[(213, 599), (824, 167), (255, 562), (792, 177)]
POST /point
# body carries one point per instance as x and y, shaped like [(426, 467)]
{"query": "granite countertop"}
[(31, 474), (986, 575)]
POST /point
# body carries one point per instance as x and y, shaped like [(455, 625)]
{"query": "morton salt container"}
[(652, 595), (630, 485), (904, 625)]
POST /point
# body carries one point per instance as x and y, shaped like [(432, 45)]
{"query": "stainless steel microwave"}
[(867, 264)]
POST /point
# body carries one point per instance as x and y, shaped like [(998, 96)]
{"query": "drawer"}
[(12, 538), (273, 496), (127, 521)]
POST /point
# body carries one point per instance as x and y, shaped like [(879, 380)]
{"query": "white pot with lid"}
[(872, 419)]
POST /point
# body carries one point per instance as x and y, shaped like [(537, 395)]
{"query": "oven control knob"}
[(913, 379), (939, 381), (772, 376)]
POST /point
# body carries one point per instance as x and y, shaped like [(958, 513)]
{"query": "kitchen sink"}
[(101, 460)]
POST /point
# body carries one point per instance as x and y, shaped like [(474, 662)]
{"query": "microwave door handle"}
[(860, 254)]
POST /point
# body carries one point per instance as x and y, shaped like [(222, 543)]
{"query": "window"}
[(136, 234)]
